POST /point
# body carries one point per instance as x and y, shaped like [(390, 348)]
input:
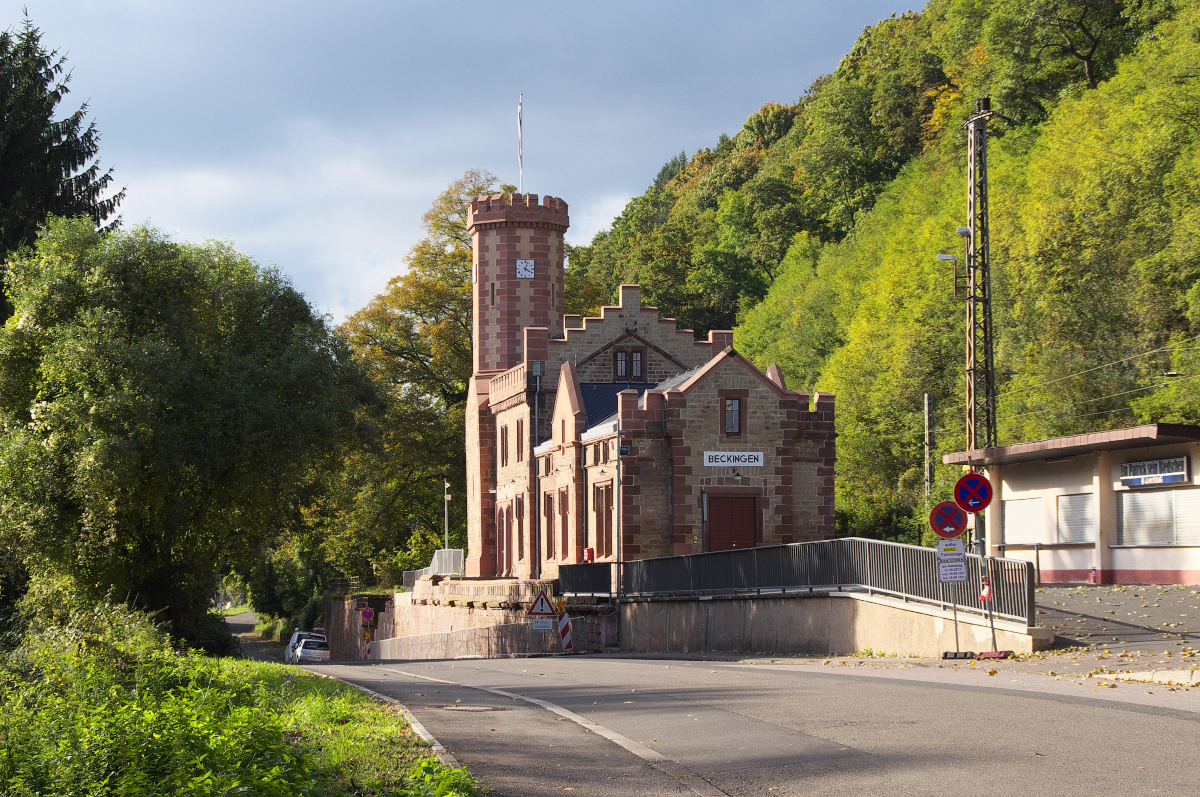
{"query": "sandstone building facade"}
[(619, 437)]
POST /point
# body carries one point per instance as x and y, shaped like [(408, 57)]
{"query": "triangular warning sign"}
[(542, 607)]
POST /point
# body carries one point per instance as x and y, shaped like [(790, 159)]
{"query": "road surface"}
[(626, 726)]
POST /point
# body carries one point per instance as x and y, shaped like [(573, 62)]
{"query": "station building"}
[(1115, 507), (619, 437)]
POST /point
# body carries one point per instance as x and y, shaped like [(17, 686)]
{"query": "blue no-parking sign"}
[(973, 492), (947, 520)]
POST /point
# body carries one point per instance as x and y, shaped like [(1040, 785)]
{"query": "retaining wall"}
[(830, 624)]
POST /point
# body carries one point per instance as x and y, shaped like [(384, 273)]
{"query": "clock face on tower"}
[(524, 269)]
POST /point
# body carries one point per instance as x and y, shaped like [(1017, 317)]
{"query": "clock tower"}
[(516, 283), (516, 273)]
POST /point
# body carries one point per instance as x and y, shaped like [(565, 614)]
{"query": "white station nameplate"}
[(733, 459)]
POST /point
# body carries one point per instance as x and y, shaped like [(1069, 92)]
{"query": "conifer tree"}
[(47, 166)]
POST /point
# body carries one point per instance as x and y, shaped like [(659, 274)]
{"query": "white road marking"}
[(653, 757)]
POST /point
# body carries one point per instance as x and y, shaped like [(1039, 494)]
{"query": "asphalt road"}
[(793, 728)]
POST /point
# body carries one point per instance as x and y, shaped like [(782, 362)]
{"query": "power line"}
[(893, 424), (1104, 365)]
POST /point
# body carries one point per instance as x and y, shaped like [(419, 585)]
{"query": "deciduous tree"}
[(161, 405)]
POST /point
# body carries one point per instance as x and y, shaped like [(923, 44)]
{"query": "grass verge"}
[(106, 707)]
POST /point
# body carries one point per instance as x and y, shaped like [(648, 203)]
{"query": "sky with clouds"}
[(313, 135)]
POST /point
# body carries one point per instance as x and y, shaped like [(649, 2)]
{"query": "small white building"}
[(1117, 507)]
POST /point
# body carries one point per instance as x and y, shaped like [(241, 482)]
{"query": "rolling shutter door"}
[(1187, 517), (1076, 518), (1022, 521), (1146, 518)]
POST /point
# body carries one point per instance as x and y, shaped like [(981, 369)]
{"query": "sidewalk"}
[(1149, 632)]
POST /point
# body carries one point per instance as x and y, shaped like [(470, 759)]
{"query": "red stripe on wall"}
[(1121, 576)]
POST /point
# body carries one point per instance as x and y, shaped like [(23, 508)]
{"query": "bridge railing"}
[(908, 572)]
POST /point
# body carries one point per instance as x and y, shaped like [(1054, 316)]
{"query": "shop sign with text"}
[(1155, 471)]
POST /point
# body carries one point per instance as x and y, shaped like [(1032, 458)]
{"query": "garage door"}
[(730, 523)]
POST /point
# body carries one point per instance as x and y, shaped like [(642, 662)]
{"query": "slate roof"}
[(676, 380), (600, 398)]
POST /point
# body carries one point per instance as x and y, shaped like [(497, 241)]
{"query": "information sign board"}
[(1156, 471), (952, 570), (542, 623), (951, 549), (952, 563), (733, 459)]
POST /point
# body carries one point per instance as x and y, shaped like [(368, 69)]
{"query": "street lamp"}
[(446, 513)]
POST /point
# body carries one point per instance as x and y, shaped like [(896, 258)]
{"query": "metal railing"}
[(909, 572), (588, 579), (509, 639), (446, 562)]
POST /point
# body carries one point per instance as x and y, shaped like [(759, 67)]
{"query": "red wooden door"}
[(730, 523)]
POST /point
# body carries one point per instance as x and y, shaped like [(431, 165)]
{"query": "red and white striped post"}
[(564, 631)]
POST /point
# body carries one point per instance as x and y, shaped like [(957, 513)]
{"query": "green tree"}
[(47, 166), (162, 405)]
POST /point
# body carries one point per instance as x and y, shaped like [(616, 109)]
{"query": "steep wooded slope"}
[(814, 231)]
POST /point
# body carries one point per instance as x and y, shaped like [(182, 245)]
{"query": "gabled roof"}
[(698, 375), (673, 382)]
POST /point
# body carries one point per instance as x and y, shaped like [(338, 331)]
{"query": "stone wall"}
[(436, 606), (481, 477), (588, 346), (345, 629)]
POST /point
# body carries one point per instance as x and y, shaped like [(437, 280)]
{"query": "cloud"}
[(595, 215), (314, 135), (340, 224)]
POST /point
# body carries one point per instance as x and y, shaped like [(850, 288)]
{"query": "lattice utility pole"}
[(981, 373)]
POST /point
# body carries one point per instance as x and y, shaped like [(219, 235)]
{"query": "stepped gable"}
[(585, 342)]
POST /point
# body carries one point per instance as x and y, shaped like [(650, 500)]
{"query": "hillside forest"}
[(813, 232)]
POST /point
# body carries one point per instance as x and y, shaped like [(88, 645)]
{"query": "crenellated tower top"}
[(516, 273), (515, 210)]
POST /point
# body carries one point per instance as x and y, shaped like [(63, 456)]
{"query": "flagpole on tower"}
[(520, 153)]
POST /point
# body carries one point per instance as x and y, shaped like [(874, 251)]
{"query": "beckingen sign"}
[(733, 459)]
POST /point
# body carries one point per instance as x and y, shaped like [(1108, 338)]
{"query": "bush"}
[(103, 705)]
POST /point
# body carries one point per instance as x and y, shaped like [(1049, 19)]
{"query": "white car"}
[(289, 653), (312, 651)]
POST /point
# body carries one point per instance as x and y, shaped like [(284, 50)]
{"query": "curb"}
[(1169, 677), (441, 752)]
